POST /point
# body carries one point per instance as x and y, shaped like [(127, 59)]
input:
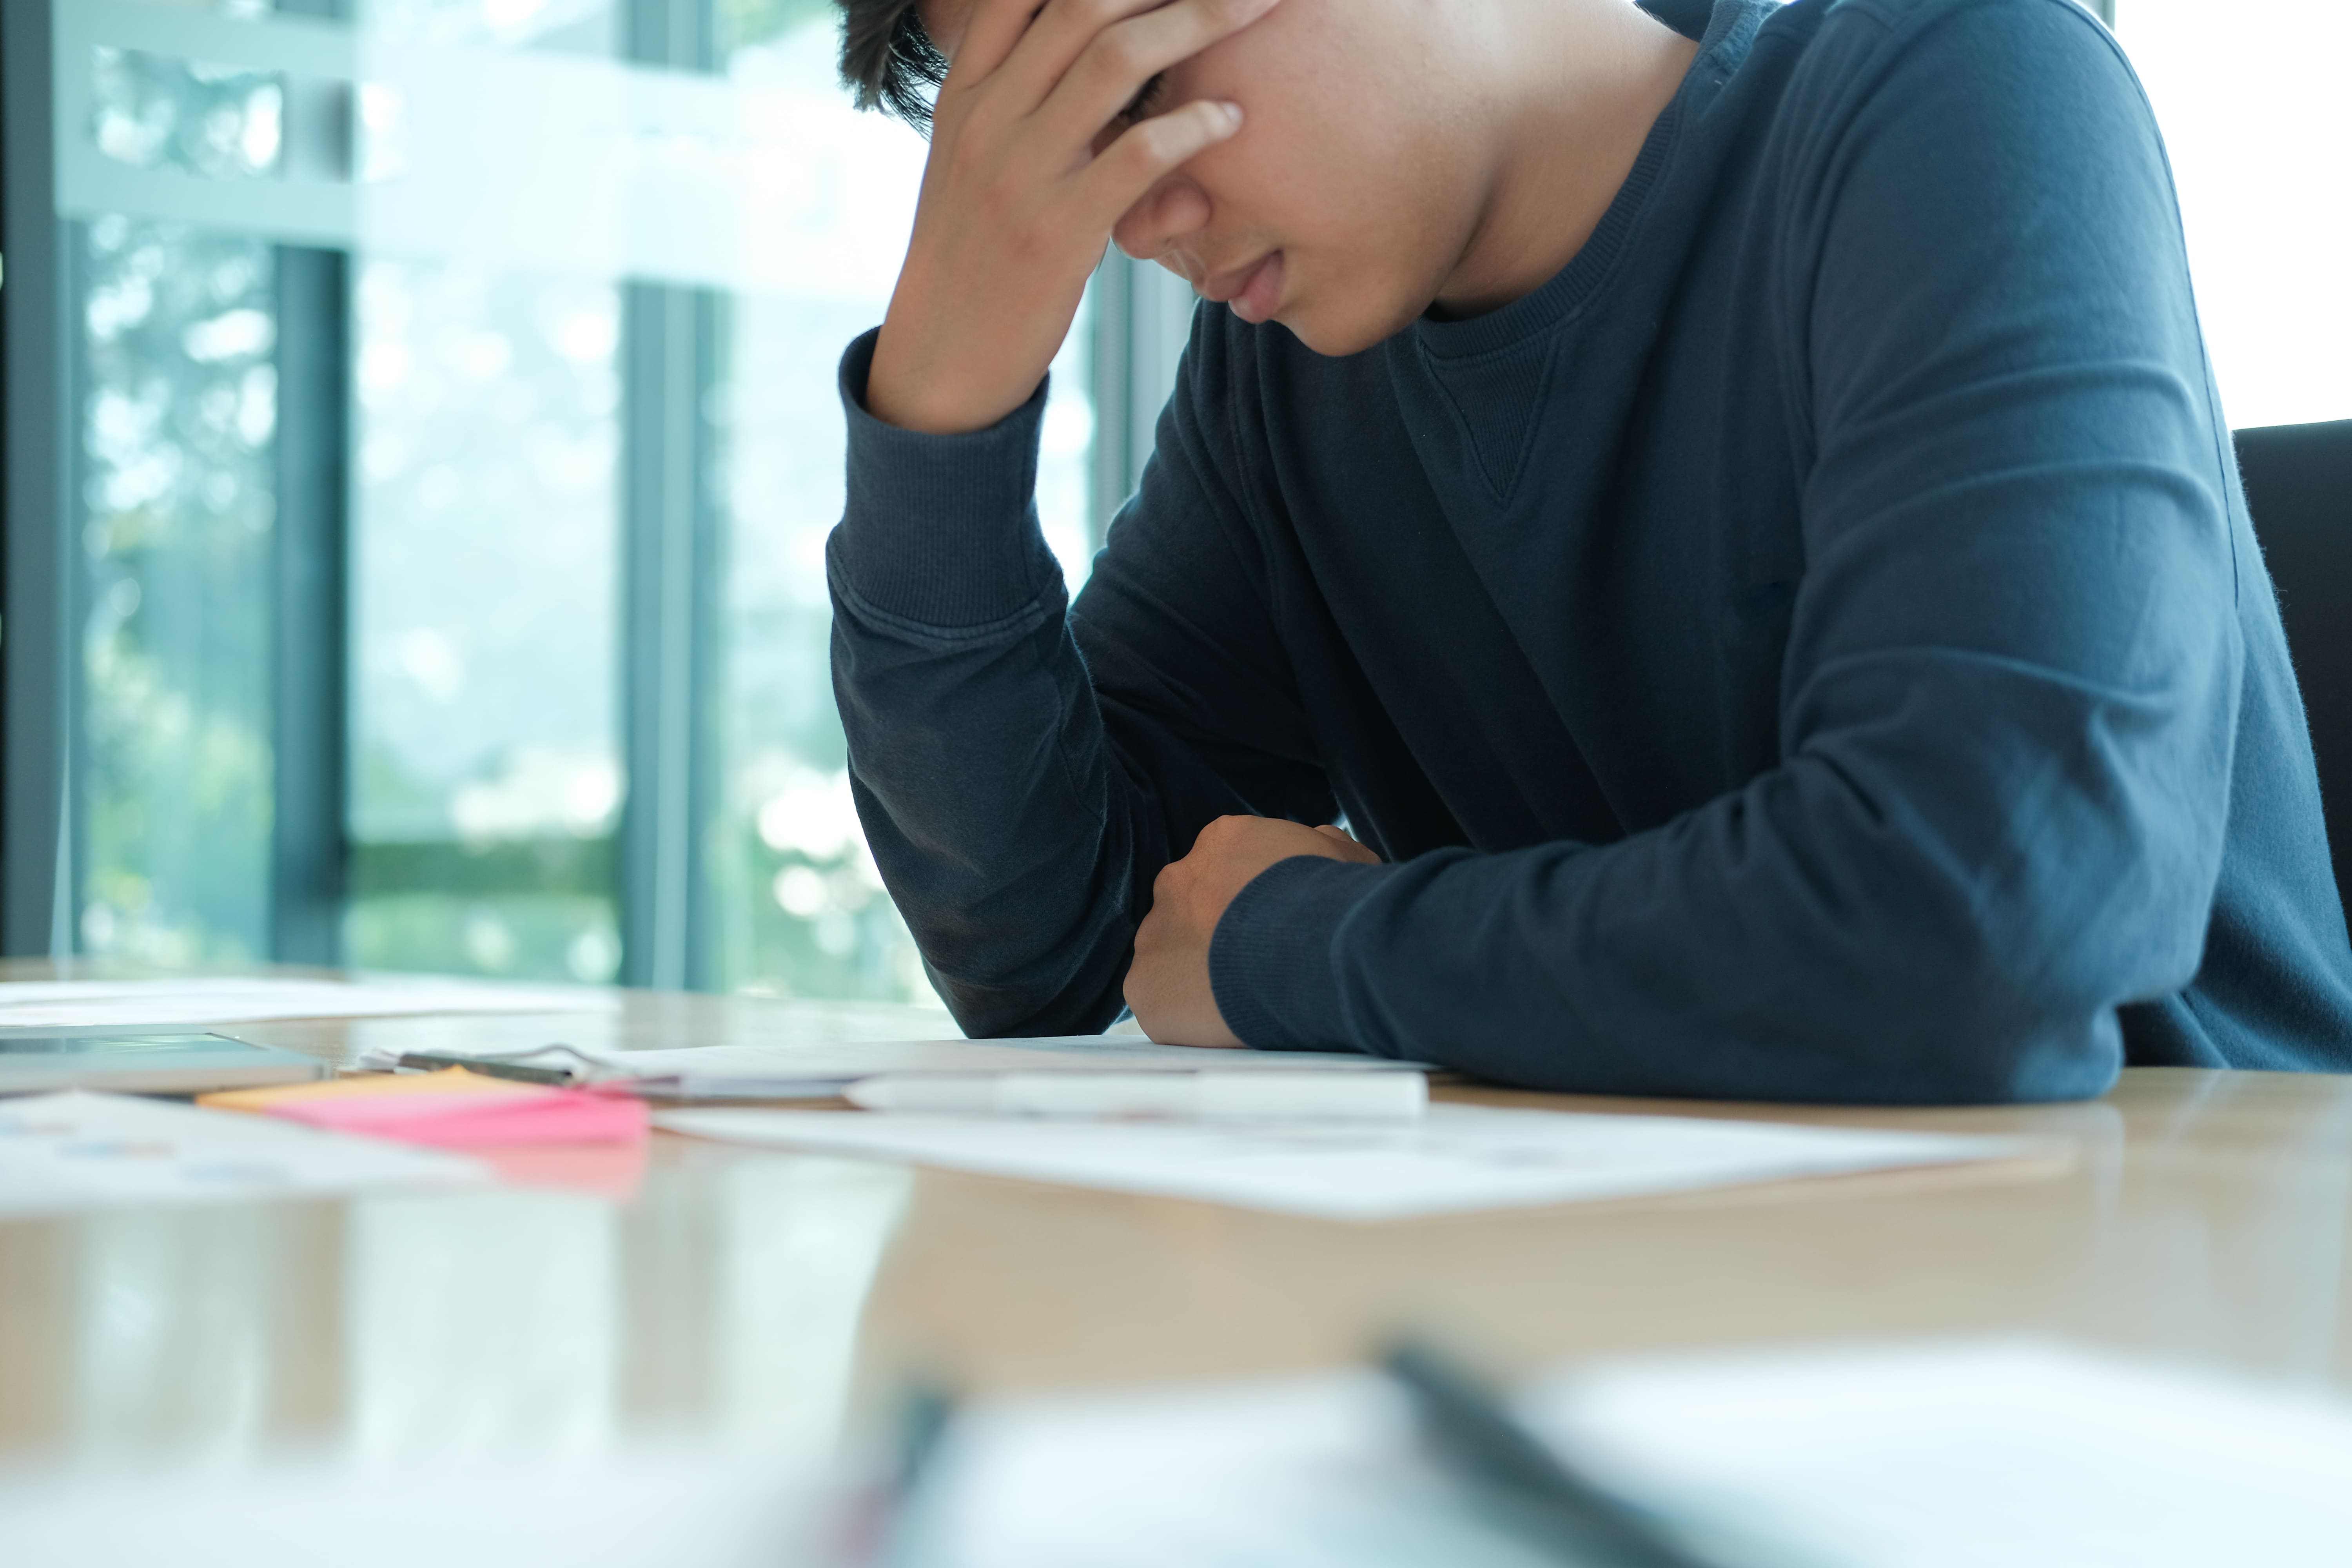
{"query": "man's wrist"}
[(939, 531), (1274, 963), (928, 401)]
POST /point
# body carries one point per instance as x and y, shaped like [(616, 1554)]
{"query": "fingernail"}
[(1232, 114)]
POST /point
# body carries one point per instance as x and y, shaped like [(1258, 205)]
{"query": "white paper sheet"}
[(1955, 1455), (783, 1072), (59, 1153), (228, 999), (1459, 1158), (675, 1507)]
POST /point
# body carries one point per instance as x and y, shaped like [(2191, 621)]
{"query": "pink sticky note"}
[(473, 1121)]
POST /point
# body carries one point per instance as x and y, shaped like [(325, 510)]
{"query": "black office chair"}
[(2299, 490)]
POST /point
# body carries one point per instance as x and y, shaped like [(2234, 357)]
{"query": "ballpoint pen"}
[(881, 1532), (432, 1061), (1472, 1435)]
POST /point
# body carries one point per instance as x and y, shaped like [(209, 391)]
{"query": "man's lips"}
[(1253, 290)]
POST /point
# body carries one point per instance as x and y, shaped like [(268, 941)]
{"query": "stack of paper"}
[(214, 999), (788, 1072), (449, 1109), (64, 1152), (675, 1506), (1458, 1158)]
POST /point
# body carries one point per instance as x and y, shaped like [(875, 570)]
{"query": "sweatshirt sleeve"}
[(2010, 693), (1018, 814)]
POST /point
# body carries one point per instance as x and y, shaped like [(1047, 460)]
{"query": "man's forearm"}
[(976, 752)]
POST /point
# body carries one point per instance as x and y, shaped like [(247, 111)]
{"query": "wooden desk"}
[(751, 1294)]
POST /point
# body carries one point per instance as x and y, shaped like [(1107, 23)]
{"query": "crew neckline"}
[(1567, 291)]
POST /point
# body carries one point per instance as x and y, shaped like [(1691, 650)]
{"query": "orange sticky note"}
[(450, 1080)]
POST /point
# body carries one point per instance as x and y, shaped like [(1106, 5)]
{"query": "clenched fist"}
[(1168, 983)]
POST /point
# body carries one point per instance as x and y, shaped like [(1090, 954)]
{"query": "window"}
[(2256, 122), (484, 778), (171, 481), (797, 904), (451, 447), (176, 490)]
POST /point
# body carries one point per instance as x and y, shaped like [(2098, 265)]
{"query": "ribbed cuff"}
[(1273, 962), (940, 530)]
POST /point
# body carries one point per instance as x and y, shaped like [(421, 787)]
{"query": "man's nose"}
[(1171, 210)]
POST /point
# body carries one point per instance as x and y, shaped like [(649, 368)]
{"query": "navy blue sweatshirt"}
[(1813, 647)]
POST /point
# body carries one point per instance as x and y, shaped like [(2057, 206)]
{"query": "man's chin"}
[(1336, 334)]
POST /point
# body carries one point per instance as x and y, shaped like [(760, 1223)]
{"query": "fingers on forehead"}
[(1075, 24), (1157, 38), (985, 30), (1035, 41)]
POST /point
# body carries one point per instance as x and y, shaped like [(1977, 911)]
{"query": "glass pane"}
[(156, 113), (486, 778), (746, 30), (485, 734), (482, 730), (581, 26), (801, 908), (2256, 121), (178, 413)]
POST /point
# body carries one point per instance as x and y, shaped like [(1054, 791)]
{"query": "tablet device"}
[(146, 1064)]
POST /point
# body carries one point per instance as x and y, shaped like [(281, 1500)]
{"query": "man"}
[(1727, 503)]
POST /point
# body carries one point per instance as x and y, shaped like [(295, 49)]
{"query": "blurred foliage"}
[(155, 112), (485, 551), (177, 470), (574, 867), (808, 926), (178, 422), (741, 23), (501, 935)]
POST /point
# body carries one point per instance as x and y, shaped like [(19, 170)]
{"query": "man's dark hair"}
[(887, 59)]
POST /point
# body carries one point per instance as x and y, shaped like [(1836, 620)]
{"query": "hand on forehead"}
[(945, 21)]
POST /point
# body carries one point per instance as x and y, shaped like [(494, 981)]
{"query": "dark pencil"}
[(1469, 1433)]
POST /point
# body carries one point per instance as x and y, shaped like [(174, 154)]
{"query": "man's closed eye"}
[(1140, 104)]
